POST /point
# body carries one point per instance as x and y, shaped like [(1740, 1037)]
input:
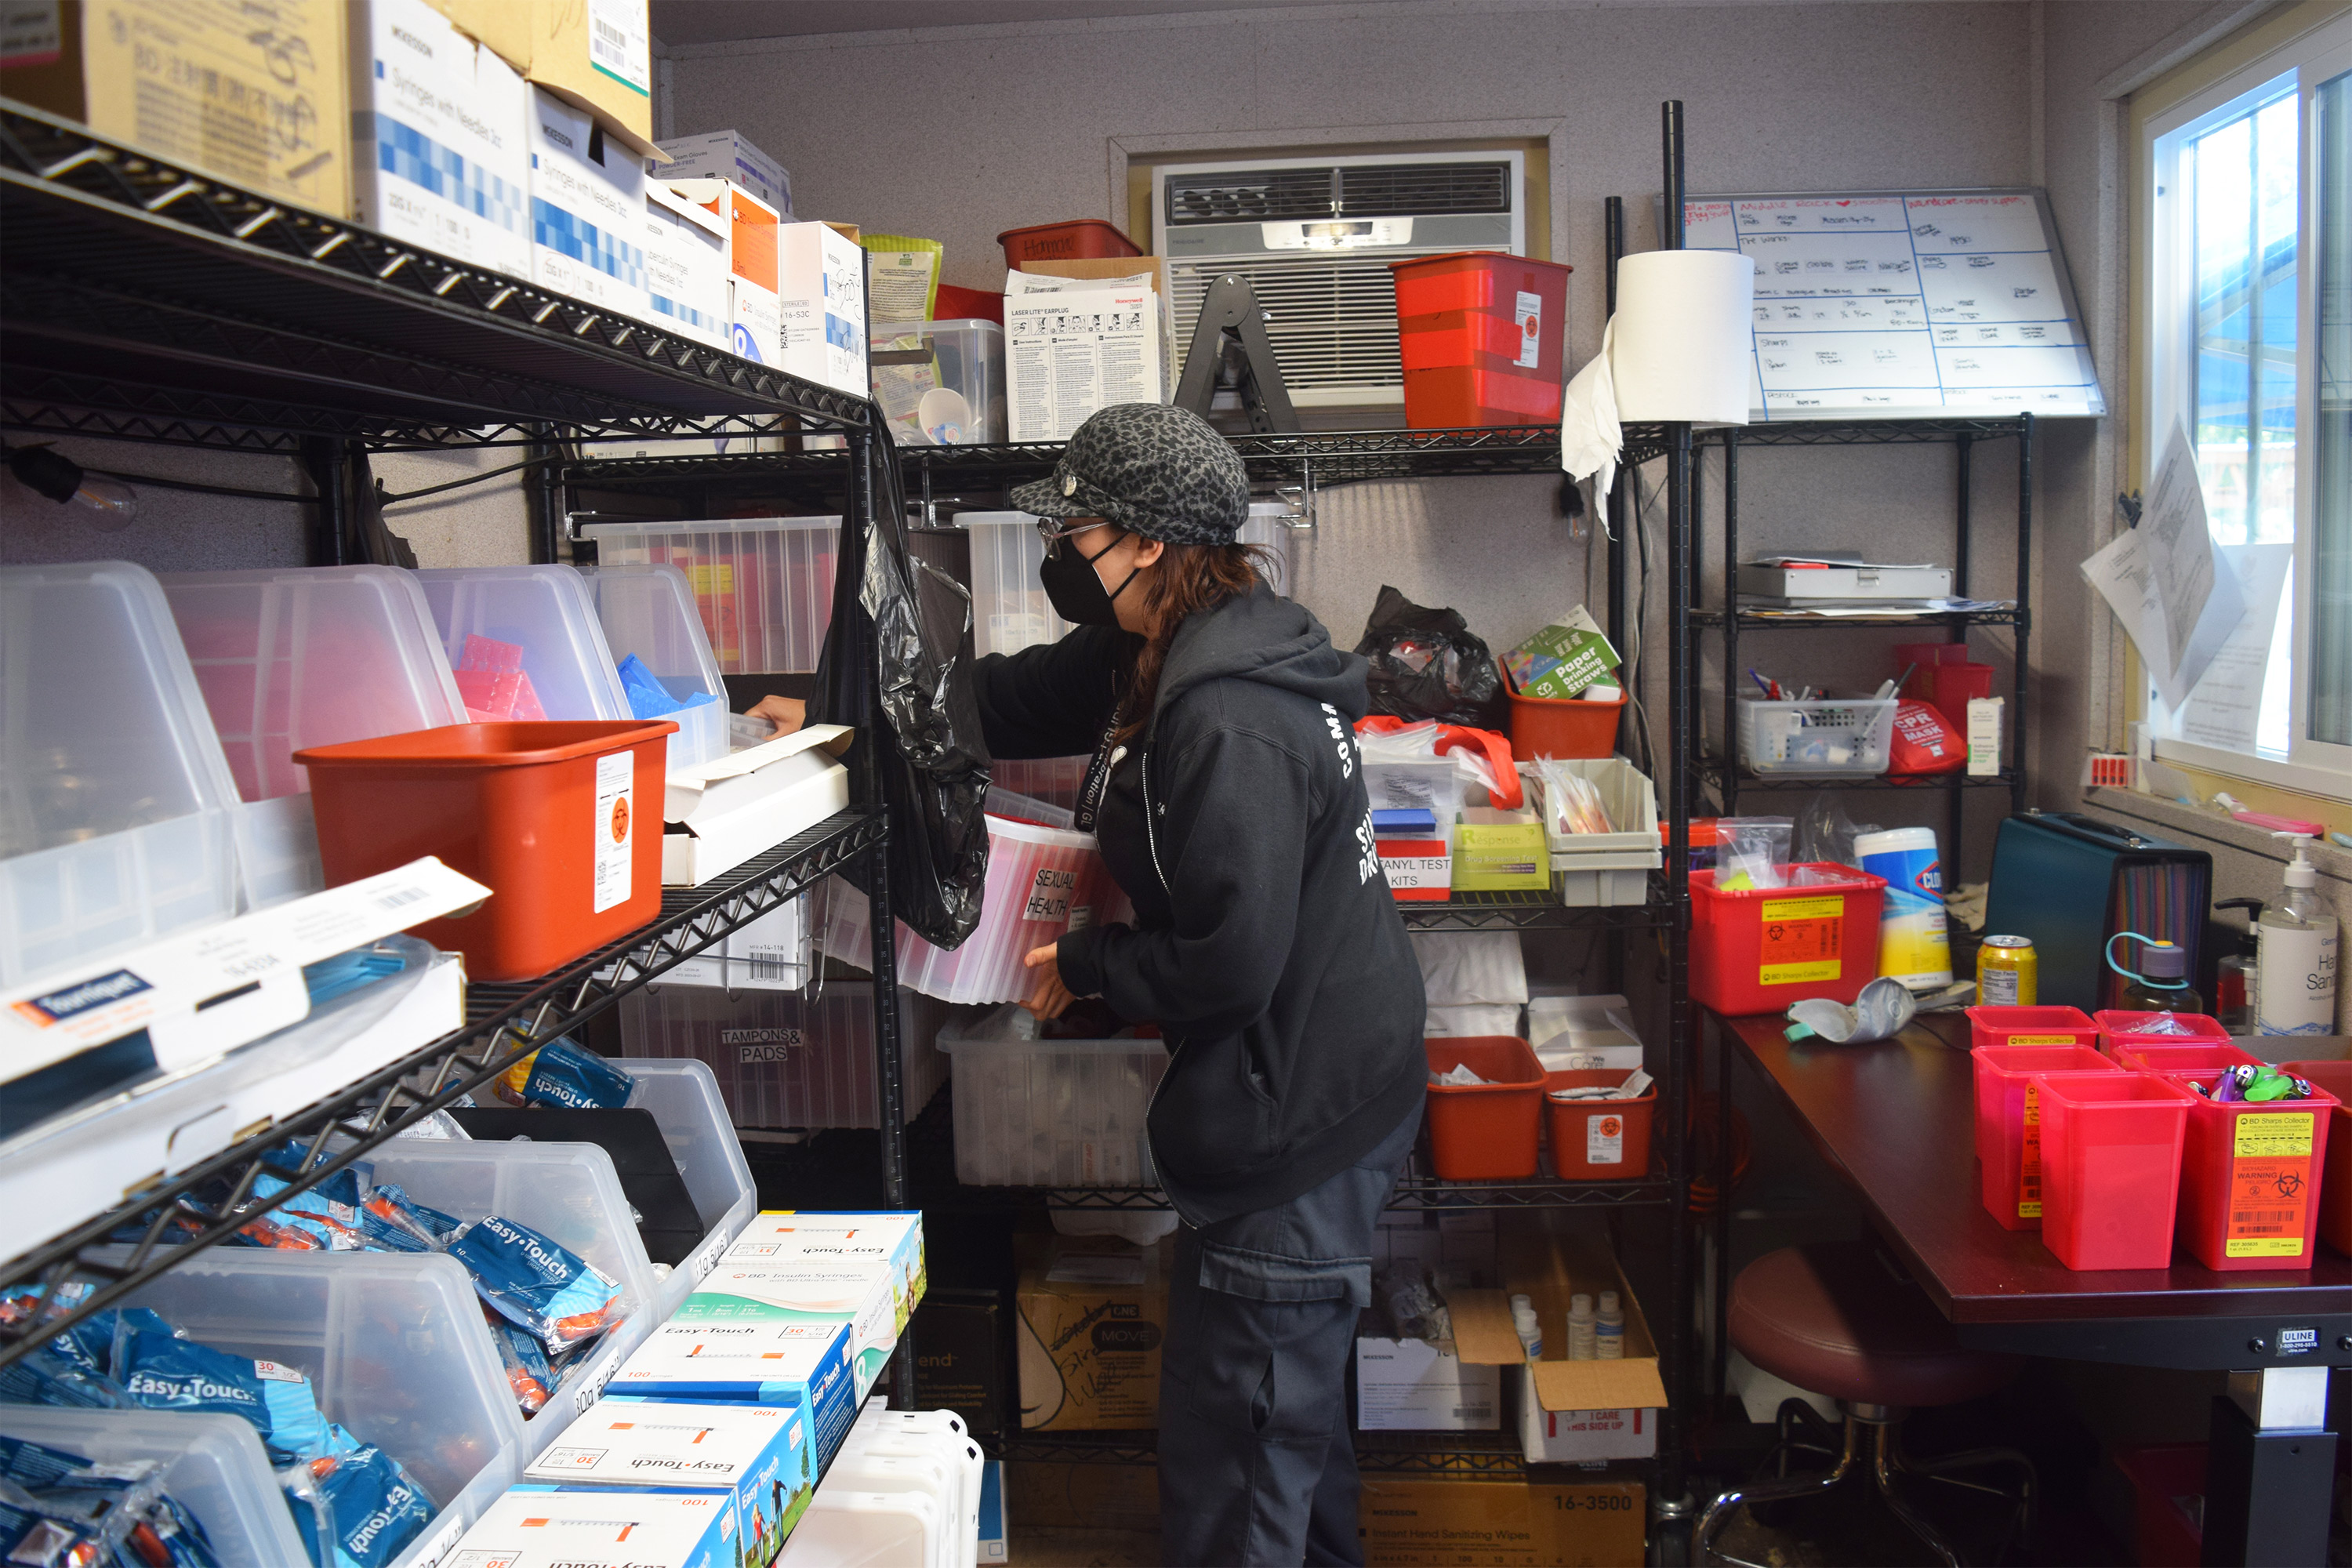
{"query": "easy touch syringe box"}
[(733, 1352), (541, 1526), (762, 1458), (775, 1237)]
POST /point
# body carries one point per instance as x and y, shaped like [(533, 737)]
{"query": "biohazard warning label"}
[(2028, 1157), (1801, 941), (2270, 1184)]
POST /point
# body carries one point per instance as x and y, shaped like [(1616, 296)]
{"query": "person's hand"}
[(1050, 998), (786, 713)]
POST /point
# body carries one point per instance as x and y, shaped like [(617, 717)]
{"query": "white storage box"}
[(783, 1059), (395, 1349), (311, 656), (1822, 736), (568, 1193), (1409, 1385), (773, 952), (821, 302), (1050, 1113), (941, 383), (649, 611), (1602, 869), (764, 586), (728, 156), (538, 1526), (686, 247), (213, 1466), (1575, 1033), (587, 208), (116, 801), (687, 1106), (1042, 882), (545, 611), (442, 131)]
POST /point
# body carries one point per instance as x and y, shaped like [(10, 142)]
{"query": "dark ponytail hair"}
[(1187, 579)]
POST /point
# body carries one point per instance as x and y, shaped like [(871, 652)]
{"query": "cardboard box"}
[(264, 105), (687, 277), (821, 295), (1496, 851), (1612, 1405), (587, 209), (541, 1526), (727, 156), (719, 815), (769, 952), (1088, 1340), (1410, 1386), (762, 1459), (961, 1359), (1502, 1524), (1563, 659), (892, 1238), (753, 312), (597, 55), (442, 126), (734, 1351)]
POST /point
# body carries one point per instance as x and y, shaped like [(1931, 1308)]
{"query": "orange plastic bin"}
[(1561, 726), (2009, 1123), (1486, 1131), (2111, 1167), (1598, 1139), (1080, 239), (1481, 336), (2335, 1185), (2249, 1180), (1755, 950), (562, 821), (2031, 1026)]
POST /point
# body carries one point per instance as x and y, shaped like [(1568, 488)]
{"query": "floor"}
[(1051, 1547)]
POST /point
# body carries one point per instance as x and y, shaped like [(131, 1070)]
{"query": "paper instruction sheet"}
[(1073, 353), (2178, 601)]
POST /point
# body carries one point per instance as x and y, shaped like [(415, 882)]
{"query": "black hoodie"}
[(1265, 946)]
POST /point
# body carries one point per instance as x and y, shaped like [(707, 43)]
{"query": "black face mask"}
[(1074, 590)]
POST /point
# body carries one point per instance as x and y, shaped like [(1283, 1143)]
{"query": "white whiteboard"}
[(1889, 305)]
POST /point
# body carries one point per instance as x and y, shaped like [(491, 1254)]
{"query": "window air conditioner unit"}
[(1314, 236)]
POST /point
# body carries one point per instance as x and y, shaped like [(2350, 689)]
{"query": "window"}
[(2249, 353)]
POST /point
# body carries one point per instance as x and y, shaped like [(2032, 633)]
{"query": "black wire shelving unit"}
[(145, 301)]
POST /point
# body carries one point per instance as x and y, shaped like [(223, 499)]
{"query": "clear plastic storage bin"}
[(1822, 736), (763, 585), (116, 802), (484, 613), (1010, 610), (1050, 1113), (568, 1192), (309, 658), (396, 1350), (941, 383), (783, 1060), (687, 1106), (213, 1466), (649, 611)]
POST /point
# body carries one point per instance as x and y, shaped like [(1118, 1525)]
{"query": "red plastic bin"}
[(1482, 339), (2336, 1184), (1561, 726), (1598, 1139), (562, 821), (2203, 1059), (2116, 1027), (1080, 239), (1486, 1131), (2009, 1123), (2165, 1536), (2111, 1167), (1758, 949), (2030, 1026), (2249, 1180)]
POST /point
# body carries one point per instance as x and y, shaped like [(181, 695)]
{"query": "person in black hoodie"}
[(1229, 804)]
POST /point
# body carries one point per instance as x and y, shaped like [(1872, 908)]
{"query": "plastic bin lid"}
[(102, 725), (705, 525), (310, 656), (997, 519), (546, 612), (649, 611)]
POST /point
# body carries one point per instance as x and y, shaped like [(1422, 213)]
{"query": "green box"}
[(1569, 654), (1500, 851)]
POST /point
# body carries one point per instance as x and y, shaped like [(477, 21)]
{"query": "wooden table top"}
[(1897, 1121)]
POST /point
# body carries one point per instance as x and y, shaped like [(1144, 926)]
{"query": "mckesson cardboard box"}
[(442, 126), (1088, 1340), (730, 155), (201, 83), (1501, 1524), (686, 267), (821, 294), (755, 330), (587, 209), (1410, 1386), (595, 54)]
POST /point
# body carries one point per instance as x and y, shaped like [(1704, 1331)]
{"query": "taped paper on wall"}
[(2225, 710), (2167, 583)]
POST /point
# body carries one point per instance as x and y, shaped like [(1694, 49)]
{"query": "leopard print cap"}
[(1155, 470)]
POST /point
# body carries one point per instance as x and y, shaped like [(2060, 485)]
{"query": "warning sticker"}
[(2270, 1184), (2045, 1040), (1801, 941), (2028, 1157), (615, 827), (1529, 316), (1604, 1141)]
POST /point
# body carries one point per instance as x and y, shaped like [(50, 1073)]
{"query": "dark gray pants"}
[(1257, 1460)]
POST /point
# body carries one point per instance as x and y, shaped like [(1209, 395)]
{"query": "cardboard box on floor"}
[(1580, 1410), (1501, 1524)]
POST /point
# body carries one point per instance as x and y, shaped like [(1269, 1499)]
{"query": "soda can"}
[(2008, 972)]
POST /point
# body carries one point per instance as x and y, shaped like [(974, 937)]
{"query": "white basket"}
[(1050, 1113), (1821, 736)]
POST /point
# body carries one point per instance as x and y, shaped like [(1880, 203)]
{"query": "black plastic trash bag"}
[(919, 737), (1428, 664)]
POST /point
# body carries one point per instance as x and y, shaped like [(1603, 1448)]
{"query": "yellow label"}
[(2028, 1210), (1797, 974), (2264, 1246), (1832, 908), (2045, 1039), (2278, 1134), (2028, 1156)]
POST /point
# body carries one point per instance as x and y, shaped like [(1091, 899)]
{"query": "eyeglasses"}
[(1054, 530)]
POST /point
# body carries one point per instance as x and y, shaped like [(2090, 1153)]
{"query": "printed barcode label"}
[(772, 969), (398, 897)]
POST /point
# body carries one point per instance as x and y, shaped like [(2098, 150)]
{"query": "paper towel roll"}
[(1685, 333)]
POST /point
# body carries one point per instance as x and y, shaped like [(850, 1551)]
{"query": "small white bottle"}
[(1609, 1328), (1580, 1335), (2297, 963), (1524, 1324)]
